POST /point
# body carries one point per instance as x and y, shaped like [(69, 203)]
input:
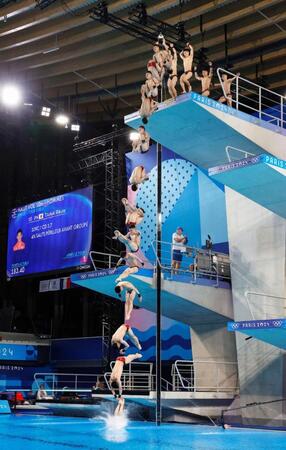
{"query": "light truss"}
[(6, 2), (42, 4), (102, 140), (141, 26)]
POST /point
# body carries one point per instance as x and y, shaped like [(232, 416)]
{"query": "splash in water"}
[(115, 426)]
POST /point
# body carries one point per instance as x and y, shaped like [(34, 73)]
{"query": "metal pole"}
[(158, 271)]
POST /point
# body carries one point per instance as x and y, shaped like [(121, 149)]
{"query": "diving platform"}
[(200, 129), (189, 407), (193, 304), (270, 331), (260, 178)]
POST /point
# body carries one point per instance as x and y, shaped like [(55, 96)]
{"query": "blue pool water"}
[(22, 432)]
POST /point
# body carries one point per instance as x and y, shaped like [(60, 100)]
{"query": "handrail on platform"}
[(261, 307), (74, 381), (229, 148), (205, 375), (197, 262), (255, 98), (107, 259)]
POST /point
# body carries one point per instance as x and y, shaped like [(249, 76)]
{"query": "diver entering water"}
[(115, 377)]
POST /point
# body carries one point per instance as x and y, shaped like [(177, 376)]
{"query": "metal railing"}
[(258, 100), (196, 263), (134, 382), (229, 149), (56, 382), (102, 260), (266, 306), (205, 376), (140, 382)]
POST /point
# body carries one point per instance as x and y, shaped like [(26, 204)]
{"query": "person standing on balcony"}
[(178, 241)]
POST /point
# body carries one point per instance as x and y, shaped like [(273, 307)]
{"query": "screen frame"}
[(59, 271)]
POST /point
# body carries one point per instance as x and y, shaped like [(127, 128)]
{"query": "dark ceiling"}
[(43, 48)]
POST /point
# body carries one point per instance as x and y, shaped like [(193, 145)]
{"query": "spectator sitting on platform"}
[(178, 239), (99, 386), (42, 394), (19, 398), (31, 397)]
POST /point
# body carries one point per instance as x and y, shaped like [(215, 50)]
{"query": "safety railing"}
[(133, 382), (140, 382), (253, 98), (229, 150), (263, 306), (205, 376), (56, 382), (102, 260), (196, 262)]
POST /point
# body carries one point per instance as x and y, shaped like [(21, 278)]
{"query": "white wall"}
[(257, 240)]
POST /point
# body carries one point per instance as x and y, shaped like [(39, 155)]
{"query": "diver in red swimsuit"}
[(118, 338), (115, 377)]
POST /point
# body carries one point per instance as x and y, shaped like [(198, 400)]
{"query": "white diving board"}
[(200, 129), (183, 301), (260, 178), (271, 331)]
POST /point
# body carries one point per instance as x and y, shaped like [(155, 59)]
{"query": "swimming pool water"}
[(22, 432)]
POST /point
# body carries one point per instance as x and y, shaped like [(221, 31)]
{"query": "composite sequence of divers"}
[(163, 65)]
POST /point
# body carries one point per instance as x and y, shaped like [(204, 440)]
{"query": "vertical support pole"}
[(158, 271), (259, 101), (281, 112), (236, 92)]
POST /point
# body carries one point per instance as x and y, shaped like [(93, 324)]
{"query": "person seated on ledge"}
[(99, 386), (42, 394), (115, 377)]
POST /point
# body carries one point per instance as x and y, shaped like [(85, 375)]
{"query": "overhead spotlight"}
[(62, 119), (133, 136), (11, 95), (45, 111), (75, 127)]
